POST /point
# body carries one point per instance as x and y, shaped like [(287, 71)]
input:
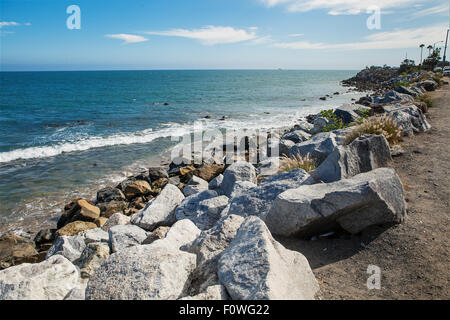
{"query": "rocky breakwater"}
[(204, 232)]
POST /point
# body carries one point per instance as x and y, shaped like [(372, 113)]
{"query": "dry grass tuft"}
[(384, 125), (297, 162)]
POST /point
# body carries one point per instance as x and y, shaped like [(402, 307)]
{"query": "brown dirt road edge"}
[(414, 256)]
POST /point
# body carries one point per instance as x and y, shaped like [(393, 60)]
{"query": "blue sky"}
[(216, 34)]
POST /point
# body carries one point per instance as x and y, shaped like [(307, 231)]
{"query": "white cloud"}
[(296, 35), (338, 7), (439, 9), (210, 35), (9, 24), (398, 39), (127, 38)]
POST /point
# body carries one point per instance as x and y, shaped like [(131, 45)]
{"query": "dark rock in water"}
[(156, 173), (45, 236), (336, 93), (109, 194), (223, 118), (323, 98), (207, 117), (15, 250), (166, 104)]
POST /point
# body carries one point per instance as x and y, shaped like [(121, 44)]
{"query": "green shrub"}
[(377, 125), (427, 99), (297, 162), (336, 123), (402, 83)]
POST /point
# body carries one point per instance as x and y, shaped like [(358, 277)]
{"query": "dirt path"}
[(413, 257)]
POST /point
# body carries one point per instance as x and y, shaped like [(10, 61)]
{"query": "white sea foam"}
[(261, 122)]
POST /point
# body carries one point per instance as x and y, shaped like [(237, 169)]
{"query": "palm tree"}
[(421, 52), (430, 47)]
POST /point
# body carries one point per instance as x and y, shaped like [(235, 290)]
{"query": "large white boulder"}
[(195, 185), (160, 211), (257, 201), (256, 267), (68, 247), (52, 279), (145, 272), (319, 147), (203, 208), (371, 198), (238, 171), (364, 154), (409, 117), (124, 236), (209, 247)]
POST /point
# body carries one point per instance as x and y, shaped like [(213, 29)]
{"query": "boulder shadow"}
[(341, 245)]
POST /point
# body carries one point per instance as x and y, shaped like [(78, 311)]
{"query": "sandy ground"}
[(413, 256)]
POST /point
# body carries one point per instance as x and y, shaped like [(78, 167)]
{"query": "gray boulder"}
[(217, 292), (191, 208), (94, 235), (239, 171), (256, 267), (349, 112), (364, 154), (320, 146), (123, 237), (209, 247), (371, 198), (156, 173), (195, 185), (115, 220), (319, 124), (77, 293), (393, 96), (142, 273), (408, 91), (284, 147), (269, 167), (68, 247), (181, 236), (215, 183), (49, 280), (409, 117), (429, 85), (305, 126), (92, 257), (258, 200), (160, 211), (296, 136)]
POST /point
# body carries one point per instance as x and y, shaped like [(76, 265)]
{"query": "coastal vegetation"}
[(383, 125), (297, 161)]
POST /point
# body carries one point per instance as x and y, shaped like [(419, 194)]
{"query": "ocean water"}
[(66, 134)]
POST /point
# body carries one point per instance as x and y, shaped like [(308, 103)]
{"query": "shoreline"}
[(349, 190), (163, 159)]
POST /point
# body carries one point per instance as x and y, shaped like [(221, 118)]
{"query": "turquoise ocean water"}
[(66, 134)]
